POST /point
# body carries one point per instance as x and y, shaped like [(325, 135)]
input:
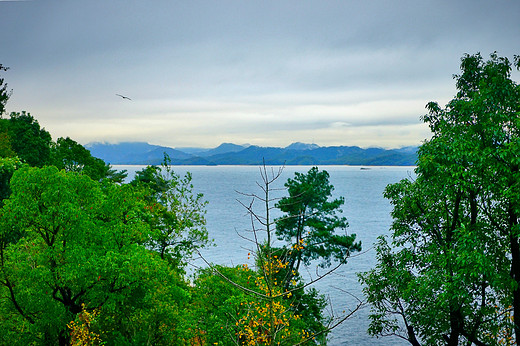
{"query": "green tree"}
[(216, 305), (177, 213), (71, 156), (8, 166), (451, 272), (153, 179), (5, 143), (68, 243), (310, 221), (31, 143), (274, 306), (245, 306)]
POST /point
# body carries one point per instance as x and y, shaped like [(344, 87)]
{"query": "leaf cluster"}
[(311, 221), (447, 275)]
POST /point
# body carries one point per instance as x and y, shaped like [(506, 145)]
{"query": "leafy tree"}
[(7, 167), (152, 178), (71, 156), (67, 244), (31, 143), (216, 305), (177, 213), (304, 301), (239, 306), (275, 316), (311, 219), (451, 272), (5, 143), (274, 306)]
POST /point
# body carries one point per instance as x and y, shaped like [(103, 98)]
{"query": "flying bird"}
[(128, 98)]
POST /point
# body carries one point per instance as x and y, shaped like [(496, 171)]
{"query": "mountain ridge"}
[(142, 153)]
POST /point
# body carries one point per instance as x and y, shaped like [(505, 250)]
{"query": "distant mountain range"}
[(140, 153)]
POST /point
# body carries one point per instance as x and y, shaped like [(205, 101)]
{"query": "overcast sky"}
[(268, 73)]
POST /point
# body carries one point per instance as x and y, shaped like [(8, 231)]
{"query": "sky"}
[(268, 73)]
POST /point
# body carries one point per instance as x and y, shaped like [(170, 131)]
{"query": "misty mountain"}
[(135, 153), (302, 146), (224, 148), (232, 154), (338, 155)]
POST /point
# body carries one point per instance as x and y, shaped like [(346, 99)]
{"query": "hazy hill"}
[(302, 146), (134, 153), (204, 152), (340, 155), (232, 154), (223, 149)]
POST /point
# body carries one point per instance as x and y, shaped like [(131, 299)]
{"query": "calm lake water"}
[(367, 212)]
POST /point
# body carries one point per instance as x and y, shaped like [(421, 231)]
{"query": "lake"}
[(365, 208)]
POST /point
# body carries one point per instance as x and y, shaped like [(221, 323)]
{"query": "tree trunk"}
[(456, 326)]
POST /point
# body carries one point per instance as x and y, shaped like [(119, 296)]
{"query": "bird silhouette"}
[(124, 97)]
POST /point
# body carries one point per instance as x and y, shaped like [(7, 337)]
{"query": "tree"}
[(8, 166), (451, 273), (5, 143), (311, 219), (31, 143), (270, 304), (177, 213), (216, 305), (245, 306), (69, 244), (152, 178), (71, 156)]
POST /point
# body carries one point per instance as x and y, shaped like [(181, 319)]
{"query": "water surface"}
[(367, 212)]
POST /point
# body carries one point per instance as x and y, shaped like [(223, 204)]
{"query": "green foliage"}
[(152, 178), (216, 304), (266, 306), (113, 175), (307, 303), (451, 272), (67, 241), (311, 220), (243, 308), (71, 156), (31, 143), (84, 260), (7, 167), (5, 143), (177, 213)]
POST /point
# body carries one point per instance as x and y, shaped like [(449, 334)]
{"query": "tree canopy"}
[(311, 221), (451, 273), (68, 242), (267, 305), (31, 143), (71, 246), (177, 213), (71, 156)]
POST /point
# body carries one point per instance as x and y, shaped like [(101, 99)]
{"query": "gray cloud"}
[(202, 72)]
